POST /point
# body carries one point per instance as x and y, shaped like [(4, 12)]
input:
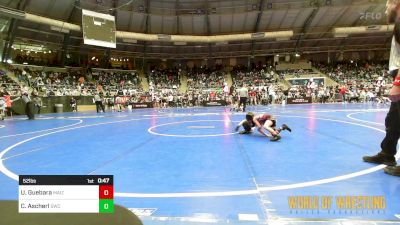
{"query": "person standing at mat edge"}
[(243, 96), (392, 121), (29, 105), (38, 103), (98, 100)]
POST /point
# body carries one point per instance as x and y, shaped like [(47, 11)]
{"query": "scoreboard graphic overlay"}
[(98, 29), (66, 194)]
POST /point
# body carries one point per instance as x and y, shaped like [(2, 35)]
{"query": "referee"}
[(244, 95), (29, 105), (98, 100)]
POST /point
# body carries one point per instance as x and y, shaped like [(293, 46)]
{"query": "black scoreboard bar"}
[(66, 180)]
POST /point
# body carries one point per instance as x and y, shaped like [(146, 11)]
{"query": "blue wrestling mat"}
[(188, 166)]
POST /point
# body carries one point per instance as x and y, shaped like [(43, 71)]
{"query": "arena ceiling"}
[(312, 22)]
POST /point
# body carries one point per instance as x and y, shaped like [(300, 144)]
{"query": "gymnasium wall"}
[(18, 107)]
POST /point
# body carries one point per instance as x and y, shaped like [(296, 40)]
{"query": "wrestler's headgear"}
[(249, 116)]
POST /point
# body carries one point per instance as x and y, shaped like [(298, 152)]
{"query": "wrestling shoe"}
[(381, 158), (245, 132), (285, 127), (276, 138), (393, 170)]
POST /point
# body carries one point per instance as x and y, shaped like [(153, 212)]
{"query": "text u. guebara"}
[(41, 192), (337, 202)]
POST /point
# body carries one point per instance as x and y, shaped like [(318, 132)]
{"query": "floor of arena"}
[(183, 166)]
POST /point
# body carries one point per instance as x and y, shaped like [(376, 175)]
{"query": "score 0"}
[(106, 199)]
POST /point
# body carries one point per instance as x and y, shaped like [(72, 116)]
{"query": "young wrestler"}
[(262, 122)]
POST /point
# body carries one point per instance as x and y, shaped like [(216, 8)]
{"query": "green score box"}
[(106, 206)]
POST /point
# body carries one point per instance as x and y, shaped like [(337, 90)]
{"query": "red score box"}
[(106, 191)]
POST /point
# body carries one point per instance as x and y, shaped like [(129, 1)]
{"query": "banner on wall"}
[(304, 81), (305, 100), (214, 103), (143, 105)]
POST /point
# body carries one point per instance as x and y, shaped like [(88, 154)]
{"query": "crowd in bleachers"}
[(263, 95), (111, 82), (52, 83), (189, 99), (353, 71), (74, 83), (262, 82), (254, 77), (203, 84), (7, 85), (356, 83), (165, 78), (164, 86), (206, 79)]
